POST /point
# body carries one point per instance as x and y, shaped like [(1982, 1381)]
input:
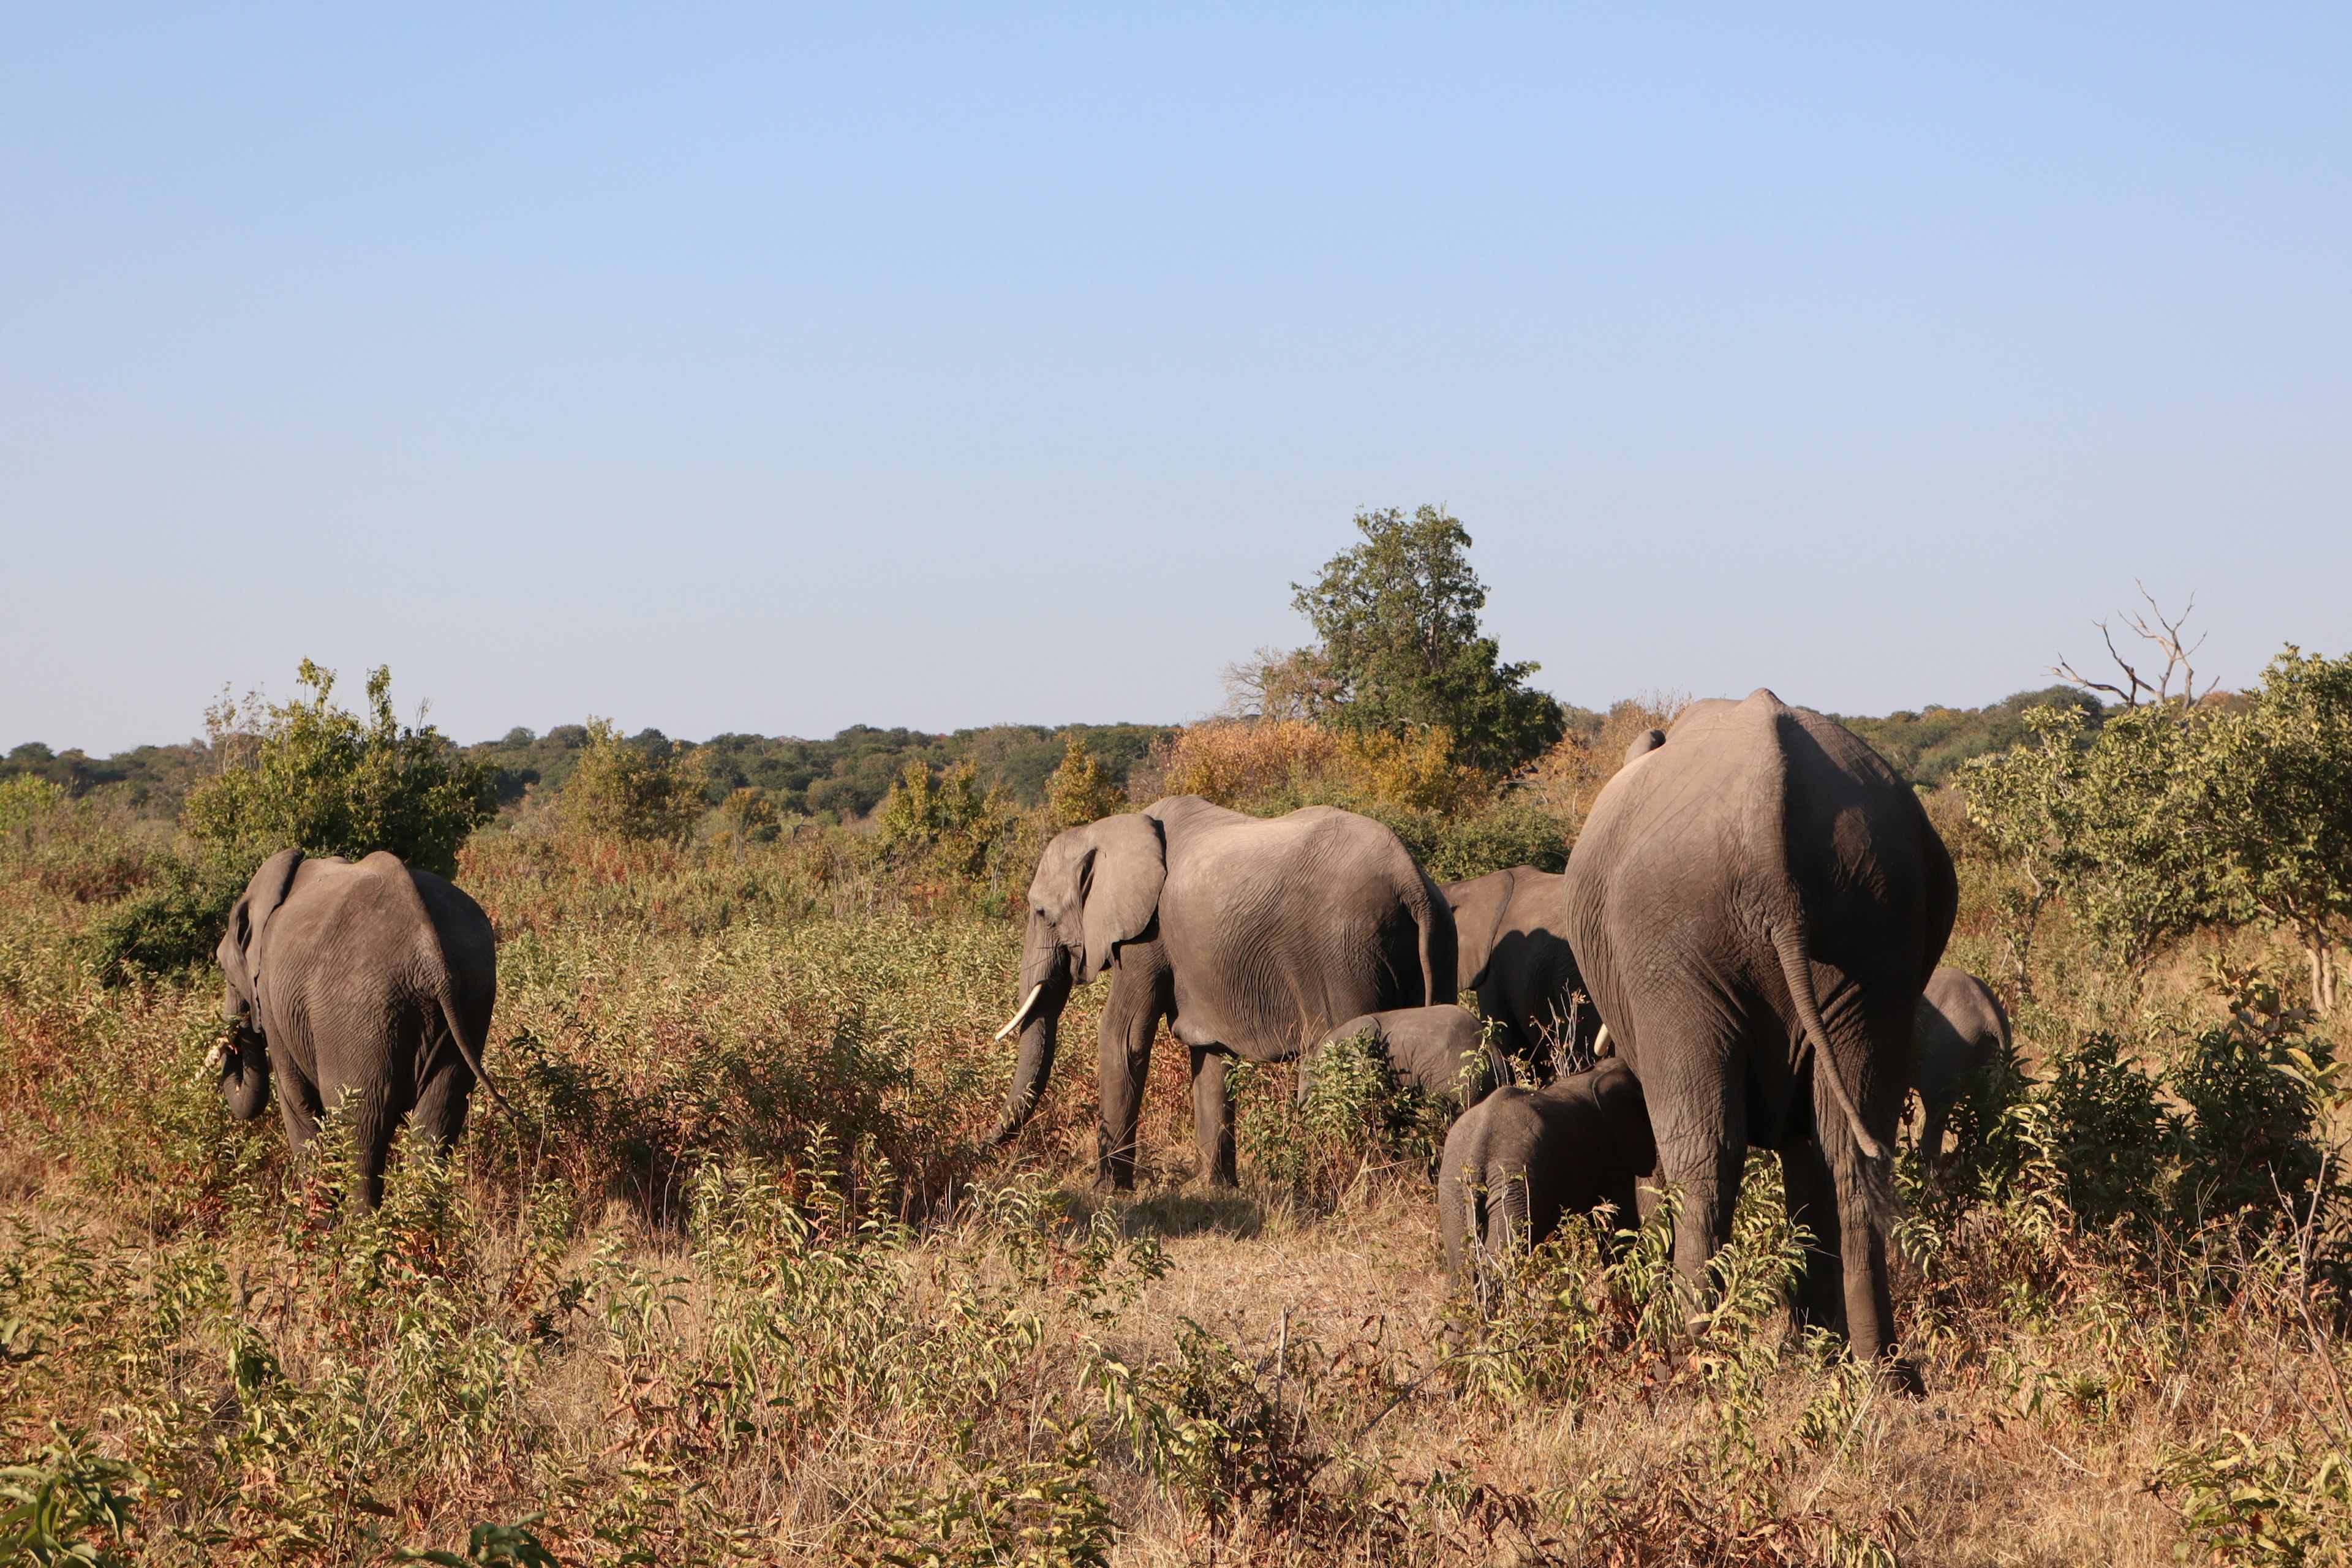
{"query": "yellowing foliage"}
[(1254, 762)]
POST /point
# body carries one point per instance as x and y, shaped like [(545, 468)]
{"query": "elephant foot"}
[(1114, 1181), (1901, 1375)]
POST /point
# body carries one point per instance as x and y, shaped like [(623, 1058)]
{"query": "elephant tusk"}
[(1022, 1016), (1600, 1042), (217, 1055)]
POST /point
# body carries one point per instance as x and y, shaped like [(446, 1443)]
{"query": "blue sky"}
[(744, 368)]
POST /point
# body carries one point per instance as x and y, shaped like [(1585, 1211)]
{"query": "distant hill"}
[(849, 774), (1929, 746)]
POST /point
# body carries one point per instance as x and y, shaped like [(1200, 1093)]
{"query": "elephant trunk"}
[(1046, 981), (243, 1072)]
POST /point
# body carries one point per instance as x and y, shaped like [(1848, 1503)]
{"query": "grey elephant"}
[(1441, 1052), (374, 978), (1959, 1030), (1510, 952), (1252, 936), (1521, 1159), (1757, 902)]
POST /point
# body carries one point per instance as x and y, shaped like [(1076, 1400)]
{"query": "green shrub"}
[(329, 782), (1452, 848), (171, 926), (626, 791)]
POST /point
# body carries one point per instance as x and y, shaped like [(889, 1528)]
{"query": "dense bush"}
[(322, 779)]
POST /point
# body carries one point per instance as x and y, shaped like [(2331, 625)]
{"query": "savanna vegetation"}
[(738, 1280)]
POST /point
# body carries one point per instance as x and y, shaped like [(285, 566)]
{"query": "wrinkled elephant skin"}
[(1757, 904), (1252, 937), (1523, 1159), (1960, 1030), (374, 980)]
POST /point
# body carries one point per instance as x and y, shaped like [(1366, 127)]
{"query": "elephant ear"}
[(1124, 864), (262, 895)]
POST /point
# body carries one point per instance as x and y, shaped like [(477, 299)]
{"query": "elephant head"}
[(244, 1056), (1095, 886), (1627, 1115)]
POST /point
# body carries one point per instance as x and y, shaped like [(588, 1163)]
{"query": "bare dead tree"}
[(2167, 638)]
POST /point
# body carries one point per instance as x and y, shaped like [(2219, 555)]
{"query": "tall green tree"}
[(319, 777), (2110, 822), (1400, 645), (2277, 804)]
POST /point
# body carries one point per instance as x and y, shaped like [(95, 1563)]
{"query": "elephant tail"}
[(1788, 941), (468, 1041), (1438, 954)]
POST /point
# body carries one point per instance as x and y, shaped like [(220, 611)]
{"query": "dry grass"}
[(741, 1284)]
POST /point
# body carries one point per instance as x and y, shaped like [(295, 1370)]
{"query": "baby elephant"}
[(1441, 1051), (1958, 1029), (1524, 1157)]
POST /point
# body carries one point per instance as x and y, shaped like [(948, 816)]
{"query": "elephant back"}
[(1278, 929)]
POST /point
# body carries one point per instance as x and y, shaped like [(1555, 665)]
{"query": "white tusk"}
[(218, 1054), (1600, 1042), (1022, 1016)]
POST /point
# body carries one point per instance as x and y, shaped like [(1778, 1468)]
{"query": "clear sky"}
[(750, 368)]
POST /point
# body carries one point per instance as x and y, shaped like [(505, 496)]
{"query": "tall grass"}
[(739, 1280)]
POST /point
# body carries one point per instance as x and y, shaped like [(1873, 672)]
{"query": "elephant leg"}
[(373, 1121), (1813, 1204), (297, 1107), (1212, 1118), (1131, 1014), (1702, 1150), (1931, 1129), (440, 1114)]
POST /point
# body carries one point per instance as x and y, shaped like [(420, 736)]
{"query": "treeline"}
[(848, 775), (833, 780)]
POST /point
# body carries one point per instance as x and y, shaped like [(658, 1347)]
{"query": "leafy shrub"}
[(951, 825), (624, 791), (1081, 789), (1312, 1130), (25, 801), (61, 1507), (174, 924), (1471, 843), (326, 780)]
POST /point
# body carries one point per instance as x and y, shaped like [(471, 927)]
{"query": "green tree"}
[(1081, 790), (748, 812), (2277, 806), (952, 822), (2111, 823), (1400, 648), (622, 789), (331, 782)]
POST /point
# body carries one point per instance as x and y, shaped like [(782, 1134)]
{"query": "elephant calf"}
[(1522, 1158), (1439, 1051), (1959, 1030)]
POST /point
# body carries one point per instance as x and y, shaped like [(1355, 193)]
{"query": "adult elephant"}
[(1252, 936), (1510, 951), (375, 979), (1757, 901)]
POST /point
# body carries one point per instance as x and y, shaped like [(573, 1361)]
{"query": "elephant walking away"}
[(1507, 938), (1757, 904), (1522, 1159), (1252, 936), (1441, 1052), (375, 979), (1960, 1029)]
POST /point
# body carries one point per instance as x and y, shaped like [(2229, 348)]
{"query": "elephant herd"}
[(1742, 952)]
